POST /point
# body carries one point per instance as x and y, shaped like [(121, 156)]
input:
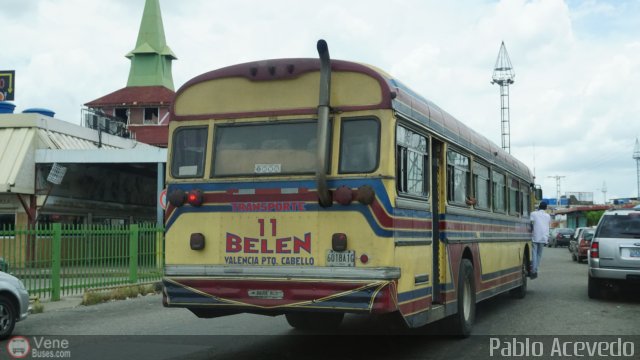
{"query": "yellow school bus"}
[(312, 188)]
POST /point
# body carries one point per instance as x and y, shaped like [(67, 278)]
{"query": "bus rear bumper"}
[(267, 291)]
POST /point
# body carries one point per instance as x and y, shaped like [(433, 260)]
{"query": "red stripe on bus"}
[(389, 222), (222, 198), (415, 305), (274, 195), (461, 226)]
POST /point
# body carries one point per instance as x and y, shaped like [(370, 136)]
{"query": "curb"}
[(101, 295)]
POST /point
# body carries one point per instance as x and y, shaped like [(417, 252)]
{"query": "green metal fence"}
[(58, 259)]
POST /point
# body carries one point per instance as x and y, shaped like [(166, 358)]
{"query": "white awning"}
[(17, 170), (99, 156), (28, 139)]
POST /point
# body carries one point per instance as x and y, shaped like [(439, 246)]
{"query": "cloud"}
[(573, 108)]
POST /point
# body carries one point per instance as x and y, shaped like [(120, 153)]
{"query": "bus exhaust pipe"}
[(324, 197)]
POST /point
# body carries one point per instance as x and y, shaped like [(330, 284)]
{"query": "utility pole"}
[(503, 75), (557, 177), (636, 156)]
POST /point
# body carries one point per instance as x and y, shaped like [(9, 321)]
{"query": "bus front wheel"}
[(314, 321)]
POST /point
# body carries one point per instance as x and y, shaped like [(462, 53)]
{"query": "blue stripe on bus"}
[(414, 294)]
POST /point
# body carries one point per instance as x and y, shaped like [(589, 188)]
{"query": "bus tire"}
[(314, 321), (463, 320), (521, 291)]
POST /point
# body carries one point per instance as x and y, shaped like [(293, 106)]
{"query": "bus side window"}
[(499, 192), (525, 200), (458, 177), (188, 150), (515, 202), (412, 163), (359, 144), (481, 186)]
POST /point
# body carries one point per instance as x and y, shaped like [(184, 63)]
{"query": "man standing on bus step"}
[(540, 236)]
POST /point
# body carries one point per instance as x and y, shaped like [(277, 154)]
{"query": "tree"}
[(593, 217)]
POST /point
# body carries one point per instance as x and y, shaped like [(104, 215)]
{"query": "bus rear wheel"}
[(462, 322), (314, 321), (521, 291)]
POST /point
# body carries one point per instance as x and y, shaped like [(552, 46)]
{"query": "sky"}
[(574, 111)]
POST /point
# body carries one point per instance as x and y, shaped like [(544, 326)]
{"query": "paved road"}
[(556, 304)]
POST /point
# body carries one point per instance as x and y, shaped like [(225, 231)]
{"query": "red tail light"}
[(365, 195), (343, 195), (195, 198), (594, 252)]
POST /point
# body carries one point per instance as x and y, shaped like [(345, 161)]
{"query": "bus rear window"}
[(359, 146), (265, 149), (188, 148)]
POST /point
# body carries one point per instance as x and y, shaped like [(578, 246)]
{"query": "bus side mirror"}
[(539, 193)]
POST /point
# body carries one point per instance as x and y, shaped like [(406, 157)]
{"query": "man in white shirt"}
[(540, 236)]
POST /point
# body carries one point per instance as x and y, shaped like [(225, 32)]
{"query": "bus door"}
[(436, 162)]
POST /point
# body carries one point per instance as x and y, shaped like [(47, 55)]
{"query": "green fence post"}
[(56, 253), (133, 253), (159, 248)]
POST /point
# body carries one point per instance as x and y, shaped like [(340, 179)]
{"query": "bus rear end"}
[(259, 221)]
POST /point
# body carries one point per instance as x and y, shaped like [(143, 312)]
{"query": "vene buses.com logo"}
[(18, 347)]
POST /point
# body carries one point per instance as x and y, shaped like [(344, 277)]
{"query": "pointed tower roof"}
[(151, 58), (503, 70)]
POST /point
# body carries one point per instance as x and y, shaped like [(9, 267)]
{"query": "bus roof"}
[(392, 95)]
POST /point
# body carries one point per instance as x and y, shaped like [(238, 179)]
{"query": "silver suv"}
[(614, 256), (14, 303)]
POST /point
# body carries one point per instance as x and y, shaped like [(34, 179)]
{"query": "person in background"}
[(540, 236)]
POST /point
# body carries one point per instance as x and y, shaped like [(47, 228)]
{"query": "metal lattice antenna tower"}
[(503, 75), (604, 191), (636, 156)]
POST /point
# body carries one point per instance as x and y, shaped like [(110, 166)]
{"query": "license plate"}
[(266, 294), (341, 258), (634, 253)]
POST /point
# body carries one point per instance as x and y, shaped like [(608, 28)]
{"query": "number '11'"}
[(273, 226)]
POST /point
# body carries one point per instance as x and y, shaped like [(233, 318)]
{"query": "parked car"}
[(614, 255), (574, 237), (560, 237), (581, 243), (14, 303), (573, 241)]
